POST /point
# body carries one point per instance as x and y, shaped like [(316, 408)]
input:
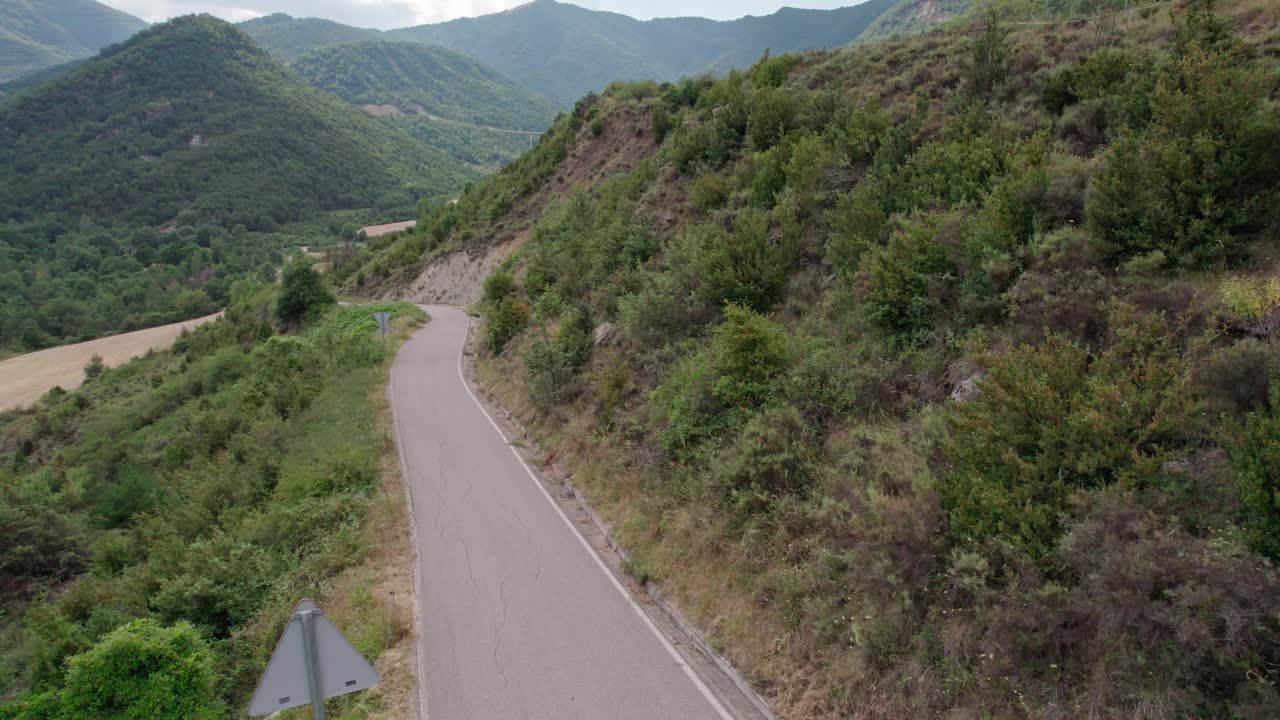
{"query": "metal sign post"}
[(312, 661), (382, 318)]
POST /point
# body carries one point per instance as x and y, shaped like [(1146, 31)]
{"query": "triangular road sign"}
[(338, 668)]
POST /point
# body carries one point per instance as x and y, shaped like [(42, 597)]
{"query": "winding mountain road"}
[(519, 617)]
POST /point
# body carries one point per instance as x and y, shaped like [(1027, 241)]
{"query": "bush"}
[(749, 353), (1202, 173), (903, 293), (1257, 472), (95, 368), (710, 191), (503, 321), (663, 123), (771, 457), (1053, 418), (302, 293), (143, 671), (746, 267)]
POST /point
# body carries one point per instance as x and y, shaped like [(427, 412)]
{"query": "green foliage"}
[(772, 456), (302, 293), (65, 283), (748, 353), (566, 52), (1257, 476), (41, 34), (1055, 418), (504, 320), (143, 670), (1203, 172), (217, 129), (424, 79), (208, 486), (552, 362), (746, 267)]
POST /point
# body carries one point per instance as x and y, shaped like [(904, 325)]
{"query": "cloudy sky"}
[(401, 13)]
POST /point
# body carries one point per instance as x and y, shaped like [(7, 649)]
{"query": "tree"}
[(95, 368), (302, 292), (143, 671)]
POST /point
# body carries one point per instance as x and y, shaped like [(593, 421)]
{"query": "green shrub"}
[(904, 279), (503, 321), (749, 353), (1054, 418), (771, 456), (498, 286), (773, 114), (1257, 475), (302, 293), (663, 123), (1202, 173), (746, 267), (710, 191), (143, 671)]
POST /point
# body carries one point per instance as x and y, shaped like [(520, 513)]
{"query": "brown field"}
[(376, 230), (25, 378)]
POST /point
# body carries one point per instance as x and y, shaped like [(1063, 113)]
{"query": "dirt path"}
[(25, 378)]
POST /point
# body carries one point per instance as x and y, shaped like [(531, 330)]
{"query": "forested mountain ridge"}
[(562, 50), (190, 118), (565, 51), (287, 37), (937, 377), (39, 33), (424, 80)]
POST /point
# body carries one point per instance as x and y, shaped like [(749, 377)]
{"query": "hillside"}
[(936, 378), (38, 33), (287, 37), (189, 120), (423, 80), (909, 17), (191, 497), (563, 51)]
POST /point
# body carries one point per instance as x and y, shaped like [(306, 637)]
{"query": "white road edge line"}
[(666, 644)]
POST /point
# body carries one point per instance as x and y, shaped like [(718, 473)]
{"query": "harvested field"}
[(25, 378)]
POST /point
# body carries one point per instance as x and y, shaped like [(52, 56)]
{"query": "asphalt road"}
[(519, 619)]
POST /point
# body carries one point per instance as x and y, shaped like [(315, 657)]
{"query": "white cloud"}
[(383, 14)]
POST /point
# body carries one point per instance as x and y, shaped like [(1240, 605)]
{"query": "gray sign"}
[(312, 661)]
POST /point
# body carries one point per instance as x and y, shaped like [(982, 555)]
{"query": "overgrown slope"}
[(190, 118), (420, 79), (447, 100), (936, 379), (39, 33), (159, 523)]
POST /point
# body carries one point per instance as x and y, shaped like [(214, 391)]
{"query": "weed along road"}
[(519, 618)]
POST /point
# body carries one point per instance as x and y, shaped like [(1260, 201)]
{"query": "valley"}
[(911, 359)]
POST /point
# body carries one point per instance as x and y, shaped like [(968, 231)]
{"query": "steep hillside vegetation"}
[(424, 80), (39, 33), (158, 523), (935, 379), (909, 17), (189, 119)]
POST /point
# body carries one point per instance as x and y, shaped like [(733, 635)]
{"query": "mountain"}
[(909, 17), (424, 80), (191, 118), (564, 51), (38, 33), (287, 37)]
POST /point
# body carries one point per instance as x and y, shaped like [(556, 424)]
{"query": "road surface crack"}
[(497, 632)]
